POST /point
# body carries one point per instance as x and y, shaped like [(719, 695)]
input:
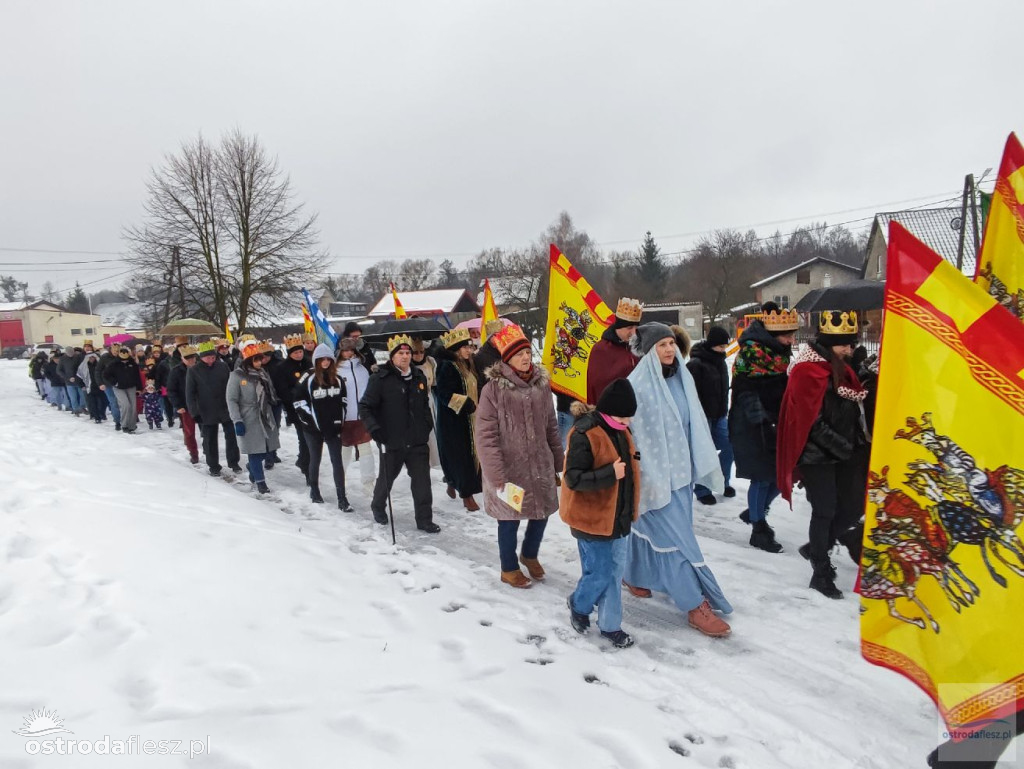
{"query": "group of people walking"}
[(657, 431)]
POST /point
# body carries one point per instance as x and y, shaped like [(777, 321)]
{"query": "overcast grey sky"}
[(422, 128)]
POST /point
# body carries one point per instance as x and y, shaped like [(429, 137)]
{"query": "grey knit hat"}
[(649, 334)]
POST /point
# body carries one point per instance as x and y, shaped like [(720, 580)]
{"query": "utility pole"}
[(968, 190)]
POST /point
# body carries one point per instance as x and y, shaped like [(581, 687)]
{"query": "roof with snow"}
[(12, 306), (937, 228), (434, 302), (38, 304), (800, 266), (126, 315)]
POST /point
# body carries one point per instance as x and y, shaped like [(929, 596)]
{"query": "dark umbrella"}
[(855, 295), (424, 328), (188, 327)]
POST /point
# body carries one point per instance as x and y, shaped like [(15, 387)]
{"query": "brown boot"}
[(707, 622), (639, 592), (533, 566), (450, 491), (515, 578), (470, 504)]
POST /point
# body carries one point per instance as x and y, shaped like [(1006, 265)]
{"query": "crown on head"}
[(835, 322), (397, 341), (266, 347), (783, 320), (507, 338), (249, 348), (455, 336), (187, 350), (246, 338), (308, 338), (629, 309), (210, 346), (291, 341)]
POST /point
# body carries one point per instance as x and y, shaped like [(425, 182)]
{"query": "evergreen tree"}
[(653, 272), (77, 301)]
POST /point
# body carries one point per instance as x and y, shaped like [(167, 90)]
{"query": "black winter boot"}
[(344, 506), (852, 539), (262, 488), (314, 495), (763, 538), (824, 579), (580, 622)]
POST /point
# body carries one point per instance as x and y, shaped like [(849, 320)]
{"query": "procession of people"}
[(658, 431)]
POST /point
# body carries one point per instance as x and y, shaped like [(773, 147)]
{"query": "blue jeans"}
[(255, 462), (508, 534), (759, 496), (565, 423), (720, 435), (115, 410), (76, 398), (603, 562), (59, 396)]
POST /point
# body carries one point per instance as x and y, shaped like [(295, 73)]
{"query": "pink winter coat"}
[(516, 438)]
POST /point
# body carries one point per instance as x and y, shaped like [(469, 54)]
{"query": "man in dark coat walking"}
[(285, 374), (206, 386), (711, 376), (396, 411), (187, 356), (68, 369)]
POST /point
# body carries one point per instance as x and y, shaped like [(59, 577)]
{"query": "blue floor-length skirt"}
[(663, 555)]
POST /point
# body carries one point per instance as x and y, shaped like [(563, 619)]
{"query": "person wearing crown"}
[(611, 358), (823, 440), (518, 444), (250, 399), (396, 411), (759, 376), (457, 392)]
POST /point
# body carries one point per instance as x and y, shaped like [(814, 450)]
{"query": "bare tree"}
[(720, 270), (417, 274), (49, 293), (378, 278), (11, 288), (221, 233)]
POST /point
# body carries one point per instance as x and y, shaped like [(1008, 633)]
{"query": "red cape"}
[(608, 362), (801, 405)]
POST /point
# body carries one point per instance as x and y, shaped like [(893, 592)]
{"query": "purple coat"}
[(516, 438)]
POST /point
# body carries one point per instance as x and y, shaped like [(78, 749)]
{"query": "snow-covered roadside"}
[(152, 600)]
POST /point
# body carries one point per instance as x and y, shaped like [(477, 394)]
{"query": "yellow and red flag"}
[(307, 320), (488, 312), (942, 574), (399, 310), (1000, 268), (576, 319), (227, 333)]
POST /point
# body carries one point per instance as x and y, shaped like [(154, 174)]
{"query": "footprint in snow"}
[(678, 748), (534, 639), (454, 606), (539, 660), (727, 762), (590, 678), (484, 622)]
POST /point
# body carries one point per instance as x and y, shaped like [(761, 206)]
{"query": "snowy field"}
[(139, 596)]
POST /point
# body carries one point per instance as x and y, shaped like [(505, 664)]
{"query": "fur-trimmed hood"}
[(503, 375)]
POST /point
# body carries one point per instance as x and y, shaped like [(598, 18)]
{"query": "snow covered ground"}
[(139, 596)]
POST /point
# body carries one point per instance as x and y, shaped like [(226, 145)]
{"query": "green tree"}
[(651, 268), (76, 300), (12, 289)]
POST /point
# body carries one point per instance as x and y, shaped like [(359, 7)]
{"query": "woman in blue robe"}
[(676, 451)]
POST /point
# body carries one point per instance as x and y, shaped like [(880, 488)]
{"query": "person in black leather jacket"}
[(823, 440)]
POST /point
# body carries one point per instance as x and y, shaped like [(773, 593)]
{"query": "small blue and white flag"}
[(325, 334)]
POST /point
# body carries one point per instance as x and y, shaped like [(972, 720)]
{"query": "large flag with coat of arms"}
[(942, 574), (576, 319), (1000, 268)]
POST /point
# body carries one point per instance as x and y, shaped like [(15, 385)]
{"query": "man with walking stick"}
[(396, 411)]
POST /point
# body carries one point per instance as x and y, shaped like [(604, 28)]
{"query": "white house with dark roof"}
[(789, 286), (937, 228), (440, 301)]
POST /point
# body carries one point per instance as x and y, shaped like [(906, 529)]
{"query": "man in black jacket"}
[(122, 376), (396, 411), (355, 332), (106, 359), (68, 368), (187, 357), (711, 376), (206, 385)]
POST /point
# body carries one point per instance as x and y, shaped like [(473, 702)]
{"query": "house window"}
[(76, 332), (48, 338), (784, 304), (777, 299), (803, 276), (90, 331), (826, 281)]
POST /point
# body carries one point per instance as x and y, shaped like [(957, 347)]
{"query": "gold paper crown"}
[(783, 320), (210, 346), (395, 341), (629, 309), (308, 338), (246, 338), (835, 322), (453, 337), (507, 337), (87, 342), (291, 341), (185, 350), (266, 347), (220, 342)]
